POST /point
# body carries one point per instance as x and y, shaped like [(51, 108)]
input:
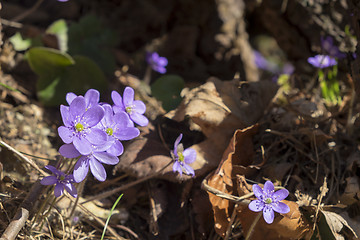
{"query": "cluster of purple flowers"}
[(93, 131), (156, 62), (331, 53)]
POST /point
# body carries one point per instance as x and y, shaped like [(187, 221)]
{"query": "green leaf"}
[(167, 90), (90, 38), (77, 78), (108, 219), (60, 30), (48, 61), (19, 43)]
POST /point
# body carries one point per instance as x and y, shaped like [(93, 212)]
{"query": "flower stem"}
[(252, 227)]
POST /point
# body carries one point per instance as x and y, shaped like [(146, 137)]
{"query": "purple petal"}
[(93, 116), (256, 205), (176, 143), (117, 99), (128, 96), (105, 146), (280, 195), (139, 107), (96, 136), (108, 119), (81, 169), (50, 180), (70, 97), (54, 170), (268, 214), (92, 98), (98, 170), (159, 69), (118, 109), (105, 157), (177, 167), (258, 191), (70, 188), (82, 145), (69, 151), (122, 120), (189, 155), (116, 149), (280, 207), (127, 133), (77, 106), (268, 188), (65, 115), (189, 170), (139, 119), (65, 134), (59, 190), (162, 61)]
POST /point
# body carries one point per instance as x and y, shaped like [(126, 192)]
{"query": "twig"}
[(27, 160), (232, 219), (252, 227), (22, 213), (28, 12)]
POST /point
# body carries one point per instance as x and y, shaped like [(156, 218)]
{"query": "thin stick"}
[(232, 219), (252, 227), (27, 160), (22, 213), (28, 12)]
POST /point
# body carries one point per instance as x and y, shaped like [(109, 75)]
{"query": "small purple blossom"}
[(118, 127), (79, 125), (322, 61), (94, 160), (183, 157), (330, 49), (156, 62), (268, 201), (262, 63), (134, 108), (61, 180)]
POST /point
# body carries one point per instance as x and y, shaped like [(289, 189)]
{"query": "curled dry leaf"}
[(237, 163), (218, 108), (237, 159)]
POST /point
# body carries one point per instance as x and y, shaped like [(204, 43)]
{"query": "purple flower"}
[(322, 61), (183, 157), (94, 160), (262, 63), (92, 98), (329, 48), (156, 62), (61, 180), (79, 125), (268, 201), (118, 127), (134, 108)]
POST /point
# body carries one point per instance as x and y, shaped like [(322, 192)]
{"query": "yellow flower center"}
[(62, 178), (79, 127), (268, 200), (128, 109), (109, 131), (181, 156)]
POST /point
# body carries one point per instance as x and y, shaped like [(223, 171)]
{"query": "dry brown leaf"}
[(236, 159), (237, 163), (338, 225)]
